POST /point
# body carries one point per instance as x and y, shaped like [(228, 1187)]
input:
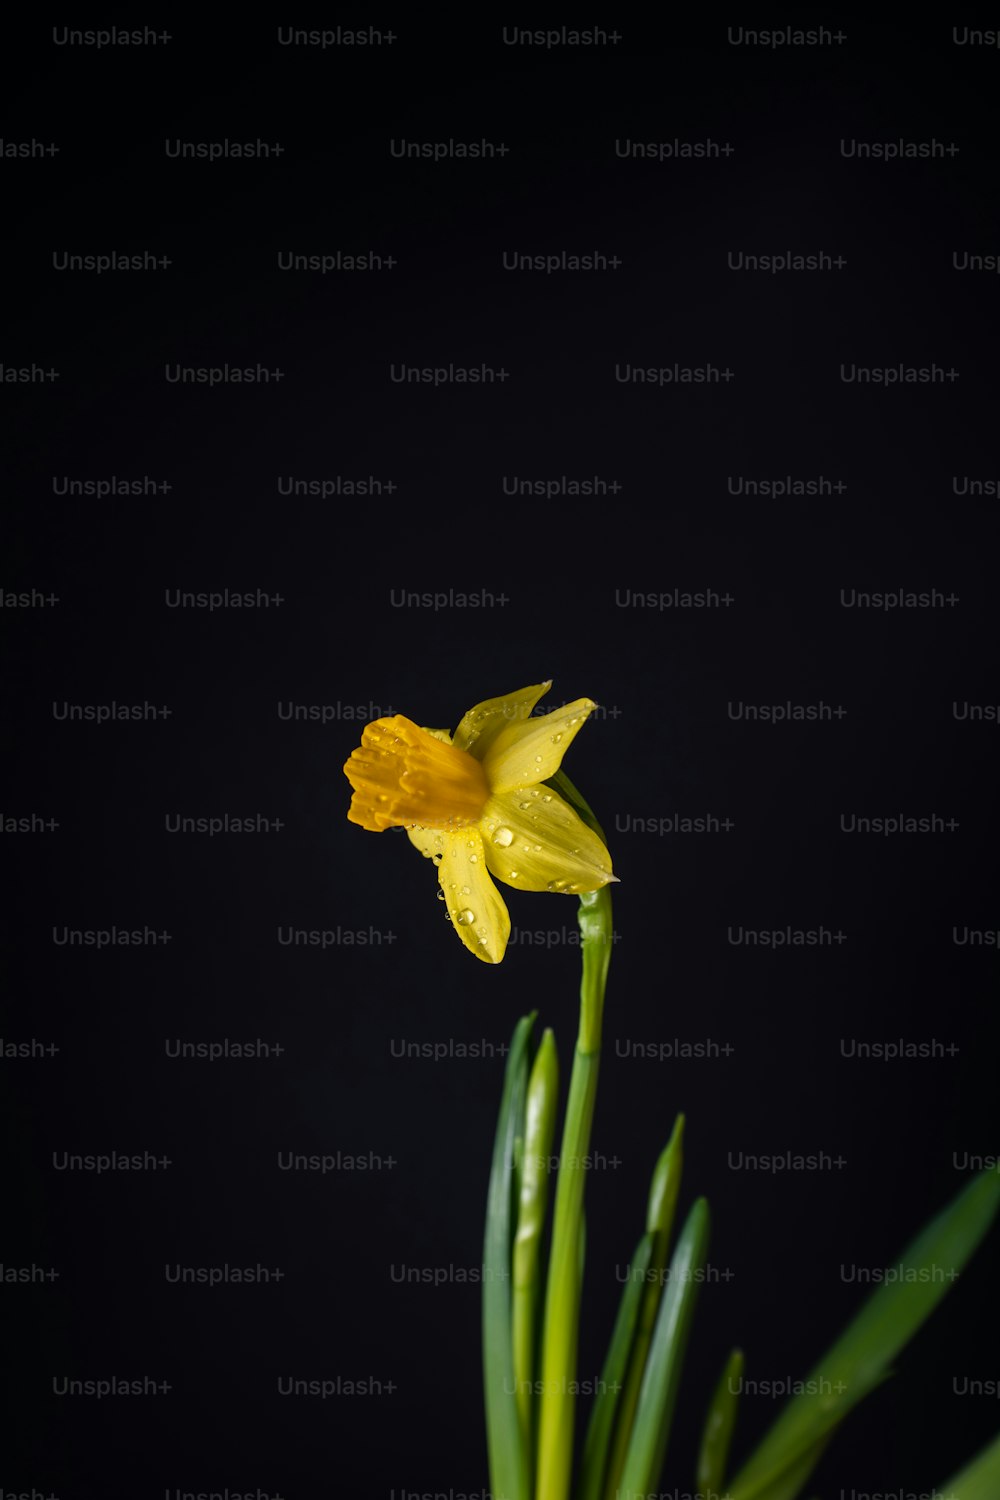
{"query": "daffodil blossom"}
[(476, 803)]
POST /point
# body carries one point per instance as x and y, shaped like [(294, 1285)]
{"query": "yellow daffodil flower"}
[(475, 803)]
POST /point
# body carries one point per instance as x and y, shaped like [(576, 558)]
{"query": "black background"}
[(568, 569)]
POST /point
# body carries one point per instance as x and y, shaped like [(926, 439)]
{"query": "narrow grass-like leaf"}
[(508, 1452), (605, 1407), (789, 1483), (793, 1466), (979, 1480), (860, 1358), (651, 1429), (717, 1435), (660, 1210), (532, 1198)]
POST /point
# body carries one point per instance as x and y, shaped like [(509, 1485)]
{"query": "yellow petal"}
[(525, 754), (476, 907), (535, 841), (430, 841), (481, 725)]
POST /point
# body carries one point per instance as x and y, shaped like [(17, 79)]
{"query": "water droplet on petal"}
[(473, 859), (524, 806), (538, 848), (440, 894), (546, 798), (465, 917), (513, 874), (556, 740), (466, 890), (503, 837), (538, 760)]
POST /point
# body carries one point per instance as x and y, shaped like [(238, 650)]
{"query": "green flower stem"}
[(539, 1129), (562, 1297)]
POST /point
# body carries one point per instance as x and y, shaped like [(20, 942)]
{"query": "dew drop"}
[(556, 740), (503, 837), (466, 890), (538, 760), (440, 894), (465, 916), (524, 806), (513, 874), (473, 859), (546, 798), (538, 848)]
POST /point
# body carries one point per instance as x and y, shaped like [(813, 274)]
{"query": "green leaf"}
[(788, 1484), (660, 1208), (860, 1358), (980, 1480), (717, 1435), (605, 1407), (531, 1192), (651, 1429), (793, 1467), (509, 1466)]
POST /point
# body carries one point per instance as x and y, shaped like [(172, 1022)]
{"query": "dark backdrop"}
[(888, 489)]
